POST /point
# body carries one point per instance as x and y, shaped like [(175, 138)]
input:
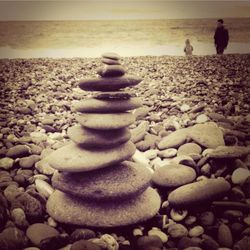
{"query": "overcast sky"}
[(121, 9)]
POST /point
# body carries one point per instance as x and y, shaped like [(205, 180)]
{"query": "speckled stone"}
[(105, 214), (72, 158), (106, 121), (121, 181), (98, 138)]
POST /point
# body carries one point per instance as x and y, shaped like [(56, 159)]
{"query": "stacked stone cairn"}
[(95, 183)]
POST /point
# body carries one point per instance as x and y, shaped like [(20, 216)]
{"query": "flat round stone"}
[(111, 71), (106, 121), (72, 158), (98, 138), (198, 192), (109, 61), (120, 181), (103, 106), (109, 83), (115, 95), (111, 55), (103, 214), (173, 175)]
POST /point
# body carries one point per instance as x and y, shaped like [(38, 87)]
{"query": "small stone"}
[(19, 218), (145, 242), (54, 242), (198, 192), (243, 244), (6, 163), (168, 153), (82, 234), (18, 151), (202, 118), (178, 215), (196, 231), (12, 192), (32, 207), (208, 135), (112, 244), (247, 220), (190, 220), (225, 237), (173, 175), (207, 218), (84, 244), (228, 152), (44, 167), (109, 61), (111, 71), (189, 149), (174, 140), (29, 162), (159, 233), (44, 188), (111, 55), (177, 231), (240, 175), (12, 238), (184, 108), (38, 232)]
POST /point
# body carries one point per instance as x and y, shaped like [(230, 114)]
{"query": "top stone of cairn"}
[(111, 55)]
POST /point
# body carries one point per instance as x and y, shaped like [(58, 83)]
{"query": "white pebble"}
[(44, 188), (240, 175)]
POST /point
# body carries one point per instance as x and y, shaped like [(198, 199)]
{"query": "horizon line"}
[(132, 19)]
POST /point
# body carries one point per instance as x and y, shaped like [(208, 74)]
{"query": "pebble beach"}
[(192, 135)]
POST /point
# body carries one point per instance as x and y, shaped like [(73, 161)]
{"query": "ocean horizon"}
[(90, 38)]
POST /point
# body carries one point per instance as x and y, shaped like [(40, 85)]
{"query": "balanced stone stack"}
[(95, 183)]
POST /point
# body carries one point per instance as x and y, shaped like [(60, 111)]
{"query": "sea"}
[(91, 38)]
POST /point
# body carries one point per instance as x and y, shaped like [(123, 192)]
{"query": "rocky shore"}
[(192, 133)]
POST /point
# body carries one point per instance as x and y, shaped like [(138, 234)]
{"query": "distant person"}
[(188, 48), (221, 37)]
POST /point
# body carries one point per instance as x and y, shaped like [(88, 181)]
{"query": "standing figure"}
[(188, 48), (221, 37)]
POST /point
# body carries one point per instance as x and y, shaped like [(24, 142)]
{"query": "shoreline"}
[(200, 49)]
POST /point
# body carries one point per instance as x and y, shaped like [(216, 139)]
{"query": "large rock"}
[(175, 139), (198, 192), (208, 135), (104, 214), (72, 158), (106, 121), (120, 181), (109, 83), (173, 175), (98, 138), (103, 106)]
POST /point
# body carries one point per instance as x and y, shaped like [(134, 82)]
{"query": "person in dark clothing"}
[(221, 37)]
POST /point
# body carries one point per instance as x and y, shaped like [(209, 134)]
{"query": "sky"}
[(120, 9)]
